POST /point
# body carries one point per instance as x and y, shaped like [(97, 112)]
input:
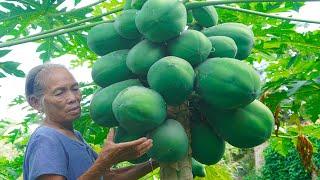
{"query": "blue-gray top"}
[(51, 152)]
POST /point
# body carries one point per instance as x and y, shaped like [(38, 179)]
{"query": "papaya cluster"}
[(158, 54)]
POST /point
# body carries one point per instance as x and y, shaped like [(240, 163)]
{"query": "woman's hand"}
[(113, 153)]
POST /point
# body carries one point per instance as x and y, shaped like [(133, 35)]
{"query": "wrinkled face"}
[(61, 96)]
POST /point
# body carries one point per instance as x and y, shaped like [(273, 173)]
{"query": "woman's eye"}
[(75, 89), (58, 93)]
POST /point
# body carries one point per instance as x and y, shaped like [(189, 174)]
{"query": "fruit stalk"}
[(192, 5)]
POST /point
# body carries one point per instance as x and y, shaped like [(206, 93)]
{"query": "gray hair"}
[(35, 80)]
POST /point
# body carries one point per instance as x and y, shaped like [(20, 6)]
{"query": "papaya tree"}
[(180, 72)]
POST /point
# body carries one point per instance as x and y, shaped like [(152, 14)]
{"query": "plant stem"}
[(73, 24), (78, 9), (192, 5), (281, 136), (11, 43), (266, 14)]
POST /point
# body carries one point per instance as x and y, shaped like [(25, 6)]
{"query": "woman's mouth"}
[(74, 110)]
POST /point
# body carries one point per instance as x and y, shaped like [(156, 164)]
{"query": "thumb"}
[(110, 136)]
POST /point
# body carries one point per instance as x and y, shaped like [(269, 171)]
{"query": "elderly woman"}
[(55, 150)]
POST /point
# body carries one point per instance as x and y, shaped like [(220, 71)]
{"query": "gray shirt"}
[(51, 152)]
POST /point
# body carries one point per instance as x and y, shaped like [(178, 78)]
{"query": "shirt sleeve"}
[(47, 157)]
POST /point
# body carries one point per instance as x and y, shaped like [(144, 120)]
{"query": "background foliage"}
[(288, 63)]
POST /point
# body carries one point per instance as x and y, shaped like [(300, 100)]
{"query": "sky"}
[(11, 86)]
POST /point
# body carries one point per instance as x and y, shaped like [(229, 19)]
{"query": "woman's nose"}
[(72, 97)]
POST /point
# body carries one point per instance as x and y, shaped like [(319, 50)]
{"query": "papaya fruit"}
[(198, 169), (244, 127), (111, 68), (125, 24), (121, 135), (143, 55), (103, 39), (227, 83), (173, 78), (101, 103), (223, 46), (161, 20), (137, 4), (170, 142), (139, 109), (192, 46), (206, 16), (240, 33), (207, 147)]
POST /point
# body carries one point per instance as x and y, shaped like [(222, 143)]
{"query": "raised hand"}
[(115, 153)]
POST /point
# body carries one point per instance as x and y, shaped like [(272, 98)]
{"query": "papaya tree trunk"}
[(182, 169)]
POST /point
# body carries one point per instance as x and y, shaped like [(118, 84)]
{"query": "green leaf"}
[(2, 75), (10, 67), (4, 52), (281, 145)]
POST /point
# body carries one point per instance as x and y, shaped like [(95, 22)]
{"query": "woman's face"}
[(61, 96)]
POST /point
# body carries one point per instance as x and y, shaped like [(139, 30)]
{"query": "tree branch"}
[(266, 14), (78, 9), (192, 5), (73, 24), (11, 43)]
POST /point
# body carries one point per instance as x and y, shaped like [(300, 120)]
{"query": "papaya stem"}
[(192, 5), (54, 32), (73, 24), (78, 9), (281, 136), (266, 14), (35, 38)]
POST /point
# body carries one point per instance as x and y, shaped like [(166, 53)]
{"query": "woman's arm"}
[(113, 153)]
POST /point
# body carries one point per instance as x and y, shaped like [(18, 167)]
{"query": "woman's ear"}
[(35, 102)]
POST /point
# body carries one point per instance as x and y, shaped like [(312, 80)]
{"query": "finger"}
[(145, 150), (110, 135), (144, 145), (132, 143)]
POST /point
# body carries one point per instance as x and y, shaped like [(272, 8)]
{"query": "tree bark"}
[(258, 156), (182, 169)]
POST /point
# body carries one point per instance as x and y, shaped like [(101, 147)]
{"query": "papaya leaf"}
[(2, 75), (4, 52), (10, 67)]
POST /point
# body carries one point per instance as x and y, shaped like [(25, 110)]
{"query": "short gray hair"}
[(35, 80)]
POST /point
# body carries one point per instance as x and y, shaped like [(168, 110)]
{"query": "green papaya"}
[(240, 33), (207, 147), (143, 55), (170, 142), (111, 68), (198, 169), (243, 127), (192, 46), (101, 103), (139, 109), (103, 39), (125, 24), (227, 83), (161, 20), (137, 4), (206, 16), (121, 135), (173, 78), (223, 46)]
